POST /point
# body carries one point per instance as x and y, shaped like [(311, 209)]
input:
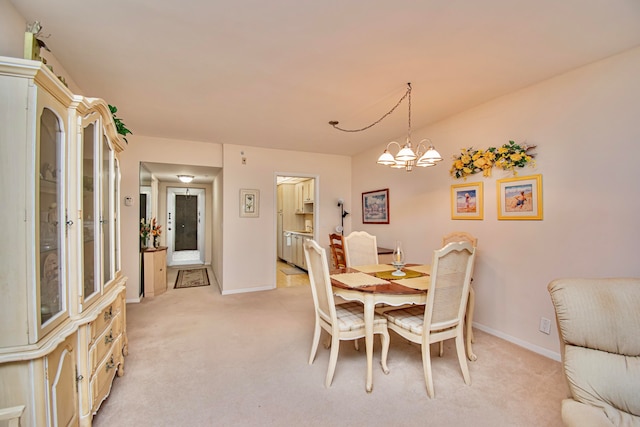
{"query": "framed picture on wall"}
[(520, 197), (467, 201), (249, 203), (375, 207)]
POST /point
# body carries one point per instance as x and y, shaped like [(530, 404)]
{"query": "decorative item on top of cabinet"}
[(59, 167)]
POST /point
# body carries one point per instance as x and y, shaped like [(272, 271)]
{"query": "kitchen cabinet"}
[(299, 198), (308, 191), (62, 288), (297, 249), (304, 197)]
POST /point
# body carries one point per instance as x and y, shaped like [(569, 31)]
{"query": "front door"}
[(185, 226)]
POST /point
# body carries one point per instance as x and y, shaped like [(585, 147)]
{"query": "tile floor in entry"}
[(287, 280)]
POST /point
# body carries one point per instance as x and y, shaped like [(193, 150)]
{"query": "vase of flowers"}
[(156, 231), (145, 231)]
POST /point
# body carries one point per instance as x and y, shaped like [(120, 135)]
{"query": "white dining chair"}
[(342, 321), (360, 248), (442, 317), (463, 236)]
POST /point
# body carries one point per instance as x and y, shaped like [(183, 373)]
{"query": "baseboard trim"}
[(536, 349)]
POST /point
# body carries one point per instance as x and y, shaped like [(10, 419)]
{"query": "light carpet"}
[(192, 278), (202, 359)]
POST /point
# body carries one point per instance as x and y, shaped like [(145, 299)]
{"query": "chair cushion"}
[(605, 380), (411, 318), (598, 321), (351, 316)]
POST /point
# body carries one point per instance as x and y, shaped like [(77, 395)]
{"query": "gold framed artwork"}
[(520, 197), (467, 201), (249, 203)]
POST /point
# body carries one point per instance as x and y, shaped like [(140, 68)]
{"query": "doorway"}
[(296, 220), (185, 226)]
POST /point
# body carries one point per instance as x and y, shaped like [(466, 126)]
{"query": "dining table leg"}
[(368, 330)]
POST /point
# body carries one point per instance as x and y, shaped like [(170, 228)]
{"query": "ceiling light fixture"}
[(185, 178), (425, 154)]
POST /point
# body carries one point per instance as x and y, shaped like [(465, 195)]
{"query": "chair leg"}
[(426, 366), (441, 348), (462, 358), (356, 345), (316, 341), (333, 358), (385, 351)]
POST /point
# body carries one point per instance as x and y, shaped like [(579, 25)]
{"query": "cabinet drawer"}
[(104, 318), (101, 381), (104, 342)]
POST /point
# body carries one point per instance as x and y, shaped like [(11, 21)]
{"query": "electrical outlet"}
[(545, 326)]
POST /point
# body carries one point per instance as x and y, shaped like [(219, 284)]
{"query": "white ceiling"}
[(274, 73)]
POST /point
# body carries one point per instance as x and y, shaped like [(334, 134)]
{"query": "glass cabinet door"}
[(116, 212), (90, 285), (51, 217), (106, 218)]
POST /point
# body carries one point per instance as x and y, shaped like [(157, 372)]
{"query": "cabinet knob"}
[(110, 364)]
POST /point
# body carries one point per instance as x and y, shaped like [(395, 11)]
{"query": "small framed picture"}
[(249, 203), (467, 201), (375, 207), (520, 197)]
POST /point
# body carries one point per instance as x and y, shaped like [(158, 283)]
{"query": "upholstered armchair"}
[(599, 327)]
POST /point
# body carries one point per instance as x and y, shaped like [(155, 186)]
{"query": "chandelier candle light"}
[(425, 154)]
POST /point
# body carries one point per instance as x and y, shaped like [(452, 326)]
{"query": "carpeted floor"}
[(202, 359), (192, 278)]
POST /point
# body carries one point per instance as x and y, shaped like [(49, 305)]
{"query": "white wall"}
[(12, 29), (250, 243), (586, 128)]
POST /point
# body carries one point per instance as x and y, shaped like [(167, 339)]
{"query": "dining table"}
[(360, 283), (375, 284)]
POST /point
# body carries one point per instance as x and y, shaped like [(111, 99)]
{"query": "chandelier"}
[(406, 158)]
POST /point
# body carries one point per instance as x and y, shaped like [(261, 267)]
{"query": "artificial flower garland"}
[(508, 157)]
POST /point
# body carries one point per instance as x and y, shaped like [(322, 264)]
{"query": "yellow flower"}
[(465, 158), (480, 162), (503, 150), (458, 164), (467, 170), (516, 157), (477, 155)]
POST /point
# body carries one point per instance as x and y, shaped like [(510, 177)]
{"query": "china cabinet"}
[(62, 312)]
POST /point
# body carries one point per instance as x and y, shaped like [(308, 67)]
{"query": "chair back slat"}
[(337, 250), (318, 270), (449, 290), (459, 236), (360, 248)]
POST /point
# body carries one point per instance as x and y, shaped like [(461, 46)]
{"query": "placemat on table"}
[(374, 268), (425, 269), (356, 280), (388, 275), (422, 282)]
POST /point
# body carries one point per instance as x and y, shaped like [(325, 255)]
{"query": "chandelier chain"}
[(406, 94), (409, 130)]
